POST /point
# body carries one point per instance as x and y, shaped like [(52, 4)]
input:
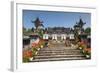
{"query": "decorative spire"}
[(80, 23), (37, 23)]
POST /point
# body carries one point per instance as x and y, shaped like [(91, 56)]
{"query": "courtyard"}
[(59, 42)]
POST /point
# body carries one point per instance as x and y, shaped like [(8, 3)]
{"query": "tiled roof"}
[(59, 30)]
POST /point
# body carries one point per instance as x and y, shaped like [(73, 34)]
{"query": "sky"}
[(55, 19)]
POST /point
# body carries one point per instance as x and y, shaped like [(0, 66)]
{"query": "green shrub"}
[(25, 59)]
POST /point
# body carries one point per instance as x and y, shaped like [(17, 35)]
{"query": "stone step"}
[(59, 52), (57, 49), (58, 59), (48, 54), (57, 56), (52, 53), (47, 50)]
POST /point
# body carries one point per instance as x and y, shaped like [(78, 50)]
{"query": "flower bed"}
[(27, 54), (84, 49), (87, 52), (30, 54)]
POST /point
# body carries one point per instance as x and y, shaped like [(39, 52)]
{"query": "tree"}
[(29, 30), (40, 33), (32, 29), (88, 30), (24, 29)]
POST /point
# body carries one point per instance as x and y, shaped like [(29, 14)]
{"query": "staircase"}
[(57, 52)]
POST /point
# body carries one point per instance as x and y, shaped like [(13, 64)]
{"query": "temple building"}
[(58, 33), (53, 33)]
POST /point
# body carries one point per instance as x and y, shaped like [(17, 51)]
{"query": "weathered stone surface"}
[(57, 52)]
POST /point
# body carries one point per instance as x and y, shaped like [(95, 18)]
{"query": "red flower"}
[(34, 44), (88, 50), (27, 53)]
